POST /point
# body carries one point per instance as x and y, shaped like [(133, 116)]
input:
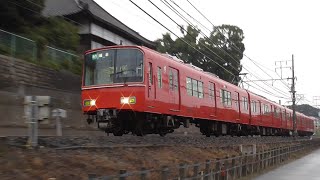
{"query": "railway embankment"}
[(77, 156)]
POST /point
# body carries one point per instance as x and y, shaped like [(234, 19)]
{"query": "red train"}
[(136, 89)]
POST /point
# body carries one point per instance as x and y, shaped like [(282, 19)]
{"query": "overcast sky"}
[(273, 30)]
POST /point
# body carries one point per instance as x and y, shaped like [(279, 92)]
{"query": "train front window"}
[(113, 66)]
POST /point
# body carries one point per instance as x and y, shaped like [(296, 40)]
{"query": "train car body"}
[(135, 89)]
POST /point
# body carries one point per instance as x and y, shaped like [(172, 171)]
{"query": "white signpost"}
[(36, 109), (58, 114)]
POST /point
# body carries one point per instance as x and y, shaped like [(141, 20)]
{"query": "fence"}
[(17, 46), (219, 169), (23, 48)]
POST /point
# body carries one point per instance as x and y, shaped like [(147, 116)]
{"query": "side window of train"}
[(159, 77), (276, 112), (245, 103), (237, 101), (200, 89), (225, 97), (189, 86), (170, 79), (211, 90), (194, 88), (253, 106), (150, 73), (175, 80), (266, 109)]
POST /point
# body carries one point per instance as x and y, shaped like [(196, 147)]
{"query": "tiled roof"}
[(68, 7)]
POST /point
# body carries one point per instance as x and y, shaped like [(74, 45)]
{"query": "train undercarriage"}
[(122, 122), (137, 123), (218, 128)]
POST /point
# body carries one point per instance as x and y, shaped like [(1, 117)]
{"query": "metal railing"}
[(23, 48), (17, 46), (231, 168)]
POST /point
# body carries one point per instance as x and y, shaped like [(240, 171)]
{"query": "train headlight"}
[(91, 102), (128, 100), (124, 100)]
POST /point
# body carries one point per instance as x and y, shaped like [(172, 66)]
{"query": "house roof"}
[(70, 7)]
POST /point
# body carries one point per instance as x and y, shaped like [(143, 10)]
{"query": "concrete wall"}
[(19, 78)]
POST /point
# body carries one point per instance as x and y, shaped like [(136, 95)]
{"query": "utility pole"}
[(293, 91), (315, 100), (281, 67)]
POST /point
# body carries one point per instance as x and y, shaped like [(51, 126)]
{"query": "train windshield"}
[(113, 66)]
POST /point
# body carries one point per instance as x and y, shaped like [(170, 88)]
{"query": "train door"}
[(272, 114), (151, 89), (174, 89), (237, 104), (213, 100), (283, 119), (260, 113)]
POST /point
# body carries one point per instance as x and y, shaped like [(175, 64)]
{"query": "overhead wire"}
[(43, 8), (189, 33), (178, 36), (220, 33), (204, 45), (191, 24), (254, 62), (266, 91), (153, 19)]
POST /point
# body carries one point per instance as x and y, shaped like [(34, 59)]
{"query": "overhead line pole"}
[(315, 100), (293, 91)]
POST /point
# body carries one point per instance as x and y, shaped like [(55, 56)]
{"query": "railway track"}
[(151, 141)]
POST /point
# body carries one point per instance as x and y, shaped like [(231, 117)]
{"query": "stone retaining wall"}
[(19, 78)]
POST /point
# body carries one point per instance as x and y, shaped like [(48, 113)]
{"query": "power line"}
[(43, 8), (179, 37), (190, 34), (149, 16), (190, 24), (157, 22), (127, 9), (254, 62), (266, 91)]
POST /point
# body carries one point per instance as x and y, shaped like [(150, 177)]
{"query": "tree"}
[(59, 33), (16, 15), (24, 17), (223, 48)]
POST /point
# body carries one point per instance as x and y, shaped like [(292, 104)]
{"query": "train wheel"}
[(118, 131), (139, 132), (208, 133), (162, 134), (139, 125)]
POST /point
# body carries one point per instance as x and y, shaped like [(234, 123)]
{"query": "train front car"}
[(113, 88)]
